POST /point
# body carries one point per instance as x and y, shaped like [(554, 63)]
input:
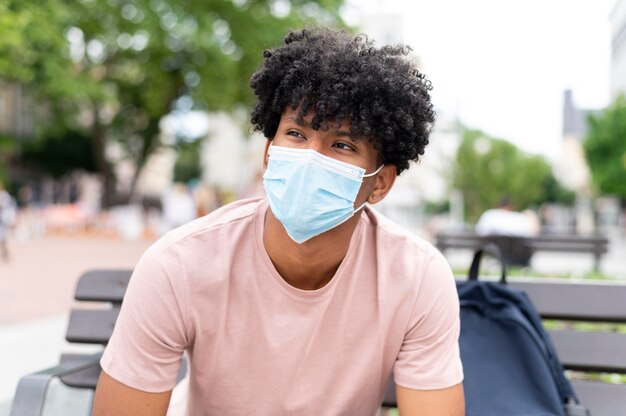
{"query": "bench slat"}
[(88, 378), (85, 379), (575, 248), (103, 285), (460, 244), (91, 326), (591, 351), (602, 399), (572, 238), (598, 302), (544, 238)]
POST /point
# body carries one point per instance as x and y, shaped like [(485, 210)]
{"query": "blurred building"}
[(231, 158), (618, 48), (429, 180), (158, 173), (571, 168), (16, 111)]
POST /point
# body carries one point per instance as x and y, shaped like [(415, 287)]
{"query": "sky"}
[(502, 66)]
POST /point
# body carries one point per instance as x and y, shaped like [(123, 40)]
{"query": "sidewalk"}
[(36, 289)]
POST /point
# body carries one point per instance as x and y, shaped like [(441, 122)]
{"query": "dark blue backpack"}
[(510, 365)]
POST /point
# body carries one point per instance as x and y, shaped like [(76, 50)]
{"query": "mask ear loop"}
[(367, 176), (375, 172)]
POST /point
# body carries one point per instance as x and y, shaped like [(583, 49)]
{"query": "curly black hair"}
[(340, 77)]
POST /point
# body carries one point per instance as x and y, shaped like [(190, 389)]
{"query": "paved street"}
[(36, 289), (39, 280)]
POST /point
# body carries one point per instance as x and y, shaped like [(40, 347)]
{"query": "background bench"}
[(518, 250), (592, 350)]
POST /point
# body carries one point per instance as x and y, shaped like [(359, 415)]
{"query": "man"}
[(509, 229), (302, 303), (503, 220)]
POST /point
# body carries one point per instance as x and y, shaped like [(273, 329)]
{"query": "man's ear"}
[(384, 182), (266, 153)]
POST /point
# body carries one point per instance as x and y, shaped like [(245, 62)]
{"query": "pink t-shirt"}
[(258, 346)]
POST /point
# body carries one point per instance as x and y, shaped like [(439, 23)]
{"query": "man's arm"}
[(443, 402), (116, 399)]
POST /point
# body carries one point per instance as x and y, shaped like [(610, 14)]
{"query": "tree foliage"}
[(7, 146), (114, 68), (188, 166), (59, 155), (605, 148), (488, 169)]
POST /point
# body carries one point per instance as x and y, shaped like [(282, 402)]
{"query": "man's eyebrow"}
[(303, 123)]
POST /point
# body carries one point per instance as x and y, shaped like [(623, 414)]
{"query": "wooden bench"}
[(582, 352), (518, 250)]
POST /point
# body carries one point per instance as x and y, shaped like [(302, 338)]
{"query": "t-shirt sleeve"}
[(149, 337), (429, 357)]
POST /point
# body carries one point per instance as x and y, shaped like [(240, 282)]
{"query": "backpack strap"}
[(492, 250)]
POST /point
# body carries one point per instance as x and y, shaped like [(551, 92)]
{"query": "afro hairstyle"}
[(339, 77)]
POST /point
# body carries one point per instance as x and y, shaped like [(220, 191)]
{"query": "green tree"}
[(114, 68), (487, 169), (188, 165), (605, 148), (58, 156), (7, 146)]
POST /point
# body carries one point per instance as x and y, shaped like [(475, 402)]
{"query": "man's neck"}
[(312, 264)]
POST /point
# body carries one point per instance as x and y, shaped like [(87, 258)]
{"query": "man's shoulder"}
[(202, 231), (234, 213)]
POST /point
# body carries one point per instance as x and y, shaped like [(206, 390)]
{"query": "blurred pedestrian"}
[(509, 230), (178, 206), (504, 220), (205, 198), (7, 217)]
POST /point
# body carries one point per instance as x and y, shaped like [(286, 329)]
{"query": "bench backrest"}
[(590, 336), (469, 239), (517, 250), (100, 293)]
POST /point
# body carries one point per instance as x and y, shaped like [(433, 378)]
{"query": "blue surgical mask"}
[(311, 193)]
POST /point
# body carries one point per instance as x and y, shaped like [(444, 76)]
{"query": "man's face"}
[(334, 142)]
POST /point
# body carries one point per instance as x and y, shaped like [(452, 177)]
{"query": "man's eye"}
[(294, 134), (343, 146)]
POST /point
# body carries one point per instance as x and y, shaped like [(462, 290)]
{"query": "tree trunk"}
[(98, 141), (150, 142)]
